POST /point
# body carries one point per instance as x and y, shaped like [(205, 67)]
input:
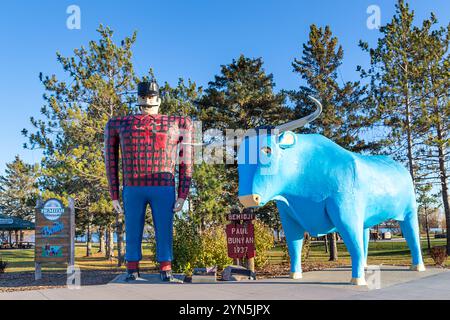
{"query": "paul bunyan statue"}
[(152, 145), (320, 187)]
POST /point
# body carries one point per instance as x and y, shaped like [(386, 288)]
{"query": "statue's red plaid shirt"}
[(151, 147)]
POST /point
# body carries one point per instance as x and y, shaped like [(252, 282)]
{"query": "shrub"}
[(264, 241), (3, 266), (439, 255), (192, 249), (209, 248), (214, 250), (187, 245)]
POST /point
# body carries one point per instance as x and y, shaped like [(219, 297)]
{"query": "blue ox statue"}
[(320, 187)]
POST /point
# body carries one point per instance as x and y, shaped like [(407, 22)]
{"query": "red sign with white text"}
[(241, 240)]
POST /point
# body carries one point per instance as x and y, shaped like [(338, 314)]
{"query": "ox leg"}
[(355, 245), (366, 245), (294, 238), (410, 229), (343, 215)]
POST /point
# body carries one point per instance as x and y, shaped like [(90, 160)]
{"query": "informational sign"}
[(54, 233), (241, 240), (237, 216)]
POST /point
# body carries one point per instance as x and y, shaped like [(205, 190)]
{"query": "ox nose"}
[(251, 200)]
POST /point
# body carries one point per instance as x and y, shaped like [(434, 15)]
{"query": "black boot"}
[(167, 276), (132, 275)]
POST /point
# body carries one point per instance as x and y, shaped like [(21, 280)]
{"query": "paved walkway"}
[(396, 283)]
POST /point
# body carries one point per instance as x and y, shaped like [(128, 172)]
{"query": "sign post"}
[(241, 237), (54, 234)]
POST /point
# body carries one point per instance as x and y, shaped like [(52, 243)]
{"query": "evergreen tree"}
[(18, 189), (242, 97), (343, 118), (409, 76), (427, 204), (72, 128), (207, 206), (434, 109), (393, 75)]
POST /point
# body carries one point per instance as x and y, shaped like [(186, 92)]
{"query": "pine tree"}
[(19, 190), (343, 118), (427, 203), (71, 131), (207, 206), (434, 109), (393, 74), (409, 76), (242, 97)]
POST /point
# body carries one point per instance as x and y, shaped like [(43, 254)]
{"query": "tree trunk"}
[(428, 230), (444, 184), (101, 240), (408, 128), (325, 241), (110, 243), (88, 241), (16, 234), (333, 247), (120, 248)]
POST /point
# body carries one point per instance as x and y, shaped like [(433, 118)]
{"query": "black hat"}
[(148, 89)]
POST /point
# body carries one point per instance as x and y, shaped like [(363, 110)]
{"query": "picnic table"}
[(5, 245), (20, 245), (25, 245)]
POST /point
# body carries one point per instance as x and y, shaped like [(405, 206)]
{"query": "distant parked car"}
[(440, 236), (387, 235)]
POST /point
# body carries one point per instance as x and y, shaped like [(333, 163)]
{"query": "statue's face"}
[(149, 104)]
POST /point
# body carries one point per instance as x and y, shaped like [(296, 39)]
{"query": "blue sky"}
[(188, 39)]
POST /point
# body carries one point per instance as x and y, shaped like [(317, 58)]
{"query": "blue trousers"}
[(161, 200)]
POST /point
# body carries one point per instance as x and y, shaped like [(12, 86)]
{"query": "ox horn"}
[(292, 125)]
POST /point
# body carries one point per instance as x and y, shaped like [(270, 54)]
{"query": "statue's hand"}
[(116, 206), (178, 205)]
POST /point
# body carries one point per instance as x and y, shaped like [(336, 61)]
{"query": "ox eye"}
[(266, 150)]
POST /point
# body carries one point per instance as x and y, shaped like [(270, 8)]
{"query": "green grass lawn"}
[(386, 252), (23, 260), (389, 252)]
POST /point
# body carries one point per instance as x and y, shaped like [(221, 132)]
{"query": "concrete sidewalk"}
[(396, 283)]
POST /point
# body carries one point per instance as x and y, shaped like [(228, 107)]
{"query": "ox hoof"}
[(296, 275), (418, 267), (358, 281)]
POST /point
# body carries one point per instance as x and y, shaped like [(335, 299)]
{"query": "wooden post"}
[(251, 264), (72, 232), (37, 265), (37, 271)]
